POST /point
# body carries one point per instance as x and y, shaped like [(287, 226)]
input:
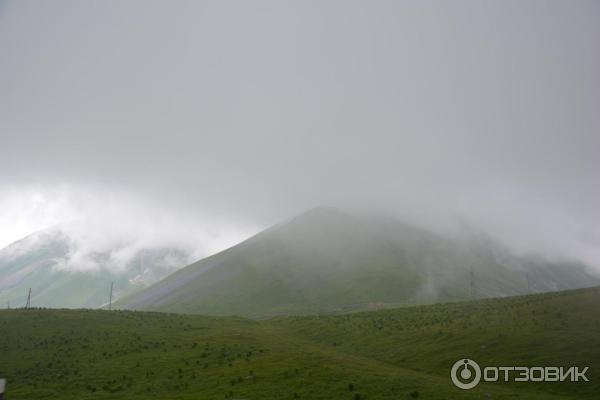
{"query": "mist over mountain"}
[(197, 116), (315, 200), (62, 274), (326, 260)]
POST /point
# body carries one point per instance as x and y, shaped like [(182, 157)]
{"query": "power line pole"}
[(472, 276), (528, 283), (110, 298), (28, 299)]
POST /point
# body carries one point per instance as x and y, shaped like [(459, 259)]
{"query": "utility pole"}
[(28, 299), (472, 275), (110, 298), (528, 283)]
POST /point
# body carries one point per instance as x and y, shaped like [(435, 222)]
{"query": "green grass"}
[(35, 262), (387, 354), (327, 261)]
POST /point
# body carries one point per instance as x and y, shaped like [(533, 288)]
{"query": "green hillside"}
[(35, 262), (403, 353), (327, 261)]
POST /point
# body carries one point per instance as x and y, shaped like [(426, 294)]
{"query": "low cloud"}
[(105, 229), (196, 124)]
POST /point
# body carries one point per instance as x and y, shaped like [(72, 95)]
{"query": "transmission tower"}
[(110, 297), (472, 276), (28, 299)]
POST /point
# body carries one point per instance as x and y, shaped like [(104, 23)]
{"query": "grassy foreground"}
[(402, 353)]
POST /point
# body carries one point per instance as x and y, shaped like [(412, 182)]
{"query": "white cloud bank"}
[(117, 224)]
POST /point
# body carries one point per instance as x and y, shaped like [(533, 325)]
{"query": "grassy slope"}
[(385, 354), (32, 263), (325, 261)]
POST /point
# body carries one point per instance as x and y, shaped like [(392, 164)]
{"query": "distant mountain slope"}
[(38, 262), (327, 261)]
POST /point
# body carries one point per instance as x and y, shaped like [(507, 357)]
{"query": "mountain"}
[(327, 261), (403, 353), (45, 262)]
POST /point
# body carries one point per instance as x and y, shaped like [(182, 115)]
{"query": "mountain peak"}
[(326, 260)]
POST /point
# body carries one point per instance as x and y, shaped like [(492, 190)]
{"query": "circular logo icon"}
[(465, 373)]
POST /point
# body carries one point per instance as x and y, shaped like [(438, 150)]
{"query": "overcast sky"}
[(211, 120)]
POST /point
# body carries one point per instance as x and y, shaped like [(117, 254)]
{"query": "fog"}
[(98, 220), (199, 123)]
